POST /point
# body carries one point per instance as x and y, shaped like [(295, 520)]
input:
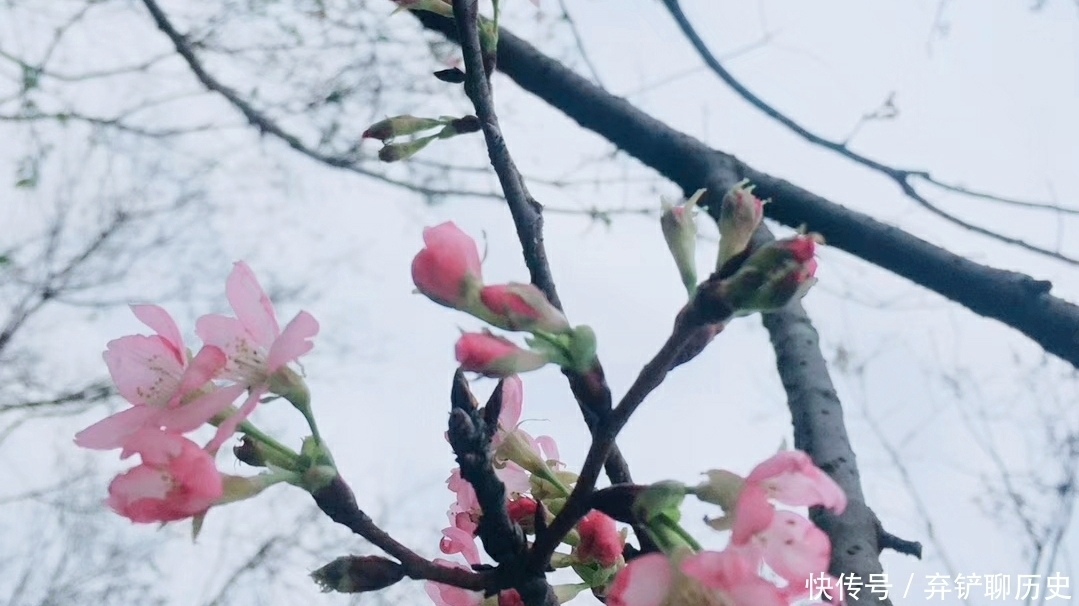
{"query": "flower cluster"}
[(448, 272), (785, 542), (535, 484), (172, 393)]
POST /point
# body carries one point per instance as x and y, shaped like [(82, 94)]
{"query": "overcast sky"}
[(986, 93)]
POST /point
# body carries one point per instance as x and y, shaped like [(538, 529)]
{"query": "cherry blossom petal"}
[(158, 319), (752, 513), (548, 447), (791, 478), (512, 399), (225, 333), (645, 581), (794, 547), (112, 431), (144, 369), (202, 369), (514, 477), (293, 342), (448, 595), (454, 540), (253, 308), (199, 411), (228, 426), (466, 495)]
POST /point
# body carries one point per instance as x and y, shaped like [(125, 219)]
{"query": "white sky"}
[(990, 105)]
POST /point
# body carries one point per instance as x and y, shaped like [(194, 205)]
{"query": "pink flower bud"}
[(494, 356), (773, 275), (739, 216), (600, 540), (680, 232), (176, 479), (522, 307), (523, 511), (448, 270)]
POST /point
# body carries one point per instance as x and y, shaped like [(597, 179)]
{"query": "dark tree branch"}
[(470, 438), (338, 502), (590, 389), (901, 177), (267, 125), (1015, 299), (579, 501)]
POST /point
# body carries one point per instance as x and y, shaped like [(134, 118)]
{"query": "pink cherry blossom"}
[(448, 595), (645, 581), (494, 356), (176, 479), (255, 346), (790, 477), (164, 388), (600, 540), (448, 270)]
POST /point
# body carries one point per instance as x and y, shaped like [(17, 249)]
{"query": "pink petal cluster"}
[(176, 479), (171, 395), (789, 544)]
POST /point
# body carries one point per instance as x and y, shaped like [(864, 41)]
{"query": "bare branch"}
[(901, 177)]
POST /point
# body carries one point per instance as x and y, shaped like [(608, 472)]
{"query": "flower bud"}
[(523, 511), (439, 7), (779, 272), (392, 152), (600, 540), (397, 126), (356, 574), (739, 215), (522, 307), (447, 270), (494, 356), (680, 232)]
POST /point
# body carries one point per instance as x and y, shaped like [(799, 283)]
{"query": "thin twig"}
[(267, 125), (338, 502), (578, 503), (590, 389), (901, 177)]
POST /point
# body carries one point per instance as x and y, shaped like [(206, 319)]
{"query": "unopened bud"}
[(680, 232), (739, 215), (439, 7), (383, 130), (660, 499), (771, 277), (600, 540), (494, 356), (357, 574), (522, 307), (523, 511)]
